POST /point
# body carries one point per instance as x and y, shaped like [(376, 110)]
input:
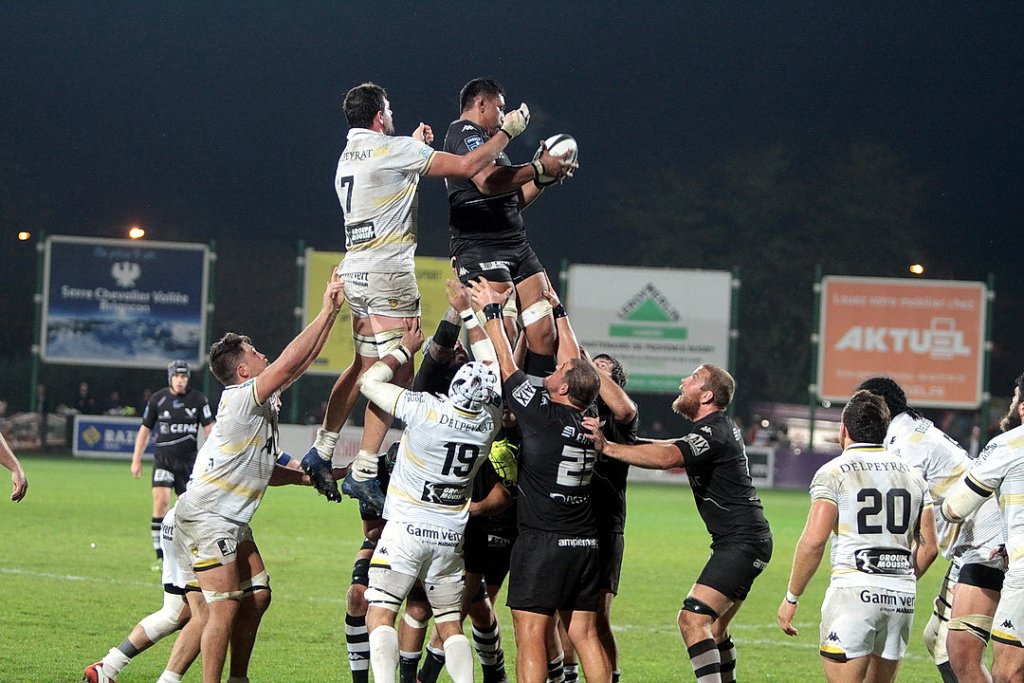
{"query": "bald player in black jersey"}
[(487, 235), (741, 542), (555, 563)]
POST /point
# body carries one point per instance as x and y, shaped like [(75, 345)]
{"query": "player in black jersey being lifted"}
[(176, 413), (741, 543), (487, 235)]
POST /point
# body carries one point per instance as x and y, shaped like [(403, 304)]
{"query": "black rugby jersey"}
[(716, 464), (608, 485), (472, 215), (176, 421), (556, 462)]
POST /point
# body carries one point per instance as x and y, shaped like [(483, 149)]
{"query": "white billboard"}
[(660, 323)]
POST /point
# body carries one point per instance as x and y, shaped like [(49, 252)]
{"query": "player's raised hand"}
[(516, 121), (593, 426), (424, 133), (787, 610), (557, 167), (334, 295), (483, 294), (412, 335), (458, 297)]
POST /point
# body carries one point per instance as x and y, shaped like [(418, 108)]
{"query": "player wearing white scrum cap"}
[(444, 444)]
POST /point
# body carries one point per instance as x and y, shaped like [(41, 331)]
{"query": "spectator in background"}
[(19, 482), (113, 405), (84, 403)]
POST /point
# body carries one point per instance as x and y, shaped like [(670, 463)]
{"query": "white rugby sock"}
[(364, 467), (325, 443), (114, 662), (458, 658), (384, 653)]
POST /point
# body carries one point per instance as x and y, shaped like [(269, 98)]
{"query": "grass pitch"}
[(64, 603)]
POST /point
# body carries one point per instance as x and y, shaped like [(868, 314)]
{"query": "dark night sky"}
[(224, 118)]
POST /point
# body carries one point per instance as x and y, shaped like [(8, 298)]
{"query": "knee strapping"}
[(694, 605), (259, 582), (977, 625), (412, 622), (535, 312), (446, 601), (387, 341), (221, 596), (365, 346), (164, 621)]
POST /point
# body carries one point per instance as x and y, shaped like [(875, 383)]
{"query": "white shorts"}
[(982, 555), (177, 570), (861, 621), (1009, 618), (389, 294), (430, 553), (207, 541)]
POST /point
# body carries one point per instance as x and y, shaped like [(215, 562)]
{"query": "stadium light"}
[(24, 235), (917, 269), (136, 233)]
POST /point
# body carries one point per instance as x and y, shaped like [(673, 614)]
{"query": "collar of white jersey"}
[(865, 447), (363, 132)]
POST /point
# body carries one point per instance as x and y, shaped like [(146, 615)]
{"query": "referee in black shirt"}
[(741, 542), (555, 562)]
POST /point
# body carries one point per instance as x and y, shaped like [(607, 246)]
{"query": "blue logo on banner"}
[(100, 435)]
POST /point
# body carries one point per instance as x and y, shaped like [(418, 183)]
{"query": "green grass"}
[(63, 603)]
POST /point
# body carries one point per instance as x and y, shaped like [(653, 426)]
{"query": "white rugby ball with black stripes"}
[(557, 146)]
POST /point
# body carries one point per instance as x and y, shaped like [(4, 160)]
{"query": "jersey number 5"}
[(897, 511)]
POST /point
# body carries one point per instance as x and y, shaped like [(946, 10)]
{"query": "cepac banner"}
[(124, 304), (660, 323), (431, 275), (100, 436), (928, 335)]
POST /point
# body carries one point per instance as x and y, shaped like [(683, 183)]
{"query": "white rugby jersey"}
[(942, 463), (441, 450), (234, 465), (376, 183), (1000, 468), (879, 498)]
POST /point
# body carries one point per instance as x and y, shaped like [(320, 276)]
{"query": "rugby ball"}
[(557, 146)]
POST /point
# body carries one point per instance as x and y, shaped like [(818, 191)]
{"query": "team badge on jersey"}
[(474, 141), (524, 393), (698, 443)]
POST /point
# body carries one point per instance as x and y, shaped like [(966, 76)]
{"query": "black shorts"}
[(981, 576), (610, 549), (552, 572), (733, 566), (474, 546), (494, 261), (173, 472), (498, 559)]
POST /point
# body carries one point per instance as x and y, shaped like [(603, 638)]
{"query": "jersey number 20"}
[(897, 511)]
